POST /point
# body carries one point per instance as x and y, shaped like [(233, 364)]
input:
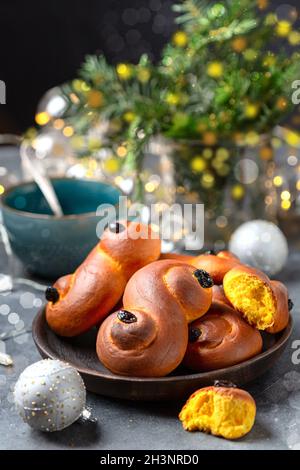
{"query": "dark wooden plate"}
[(80, 352)]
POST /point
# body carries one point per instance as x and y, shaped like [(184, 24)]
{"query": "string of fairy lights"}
[(278, 184)]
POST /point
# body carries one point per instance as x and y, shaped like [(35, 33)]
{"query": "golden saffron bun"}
[(78, 301), (177, 257), (263, 303), (148, 337), (223, 411), (216, 265), (219, 295), (219, 339), (281, 318)]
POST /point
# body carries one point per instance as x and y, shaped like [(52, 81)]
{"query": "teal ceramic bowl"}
[(51, 246)]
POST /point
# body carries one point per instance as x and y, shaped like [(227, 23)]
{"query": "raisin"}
[(203, 278), (52, 294), (290, 304), (126, 317), (224, 383), (194, 334), (116, 227)]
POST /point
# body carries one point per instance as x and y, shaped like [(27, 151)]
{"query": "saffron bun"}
[(263, 303), (281, 318), (228, 412), (177, 257), (216, 265), (221, 338), (83, 299), (149, 336), (219, 295)]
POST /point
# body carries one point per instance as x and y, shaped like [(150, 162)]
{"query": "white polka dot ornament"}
[(50, 395)]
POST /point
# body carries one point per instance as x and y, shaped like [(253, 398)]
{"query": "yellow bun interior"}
[(212, 412), (253, 298)]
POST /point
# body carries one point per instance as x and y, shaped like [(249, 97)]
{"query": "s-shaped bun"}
[(81, 300), (148, 337), (221, 338)]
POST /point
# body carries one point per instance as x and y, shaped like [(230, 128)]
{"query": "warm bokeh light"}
[(285, 195), (124, 71), (68, 131), (150, 186), (251, 110), (42, 118), (292, 138), (215, 69), (294, 38), (209, 138), (173, 99), (221, 221), (283, 28), (198, 164), (266, 153), (286, 205), (58, 124), (239, 44), (180, 39), (268, 200), (95, 98), (111, 165), (74, 98), (207, 180), (121, 151), (143, 75), (129, 116), (277, 180), (237, 191)]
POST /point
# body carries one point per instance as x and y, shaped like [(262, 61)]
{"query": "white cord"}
[(28, 282)]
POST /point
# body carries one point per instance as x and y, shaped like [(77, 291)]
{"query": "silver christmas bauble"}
[(260, 244), (50, 395)]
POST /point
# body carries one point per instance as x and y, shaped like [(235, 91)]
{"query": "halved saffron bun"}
[(216, 265), (219, 339), (250, 292), (281, 318), (222, 411)]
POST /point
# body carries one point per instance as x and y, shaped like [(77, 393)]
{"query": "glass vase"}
[(229, 178), (284, 178)]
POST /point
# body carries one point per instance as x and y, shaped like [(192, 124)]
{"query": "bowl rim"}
[(36, 215)]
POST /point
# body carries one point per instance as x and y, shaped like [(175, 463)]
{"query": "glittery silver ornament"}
[(260, 244), (50, 395)]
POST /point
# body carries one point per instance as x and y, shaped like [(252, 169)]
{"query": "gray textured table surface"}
[(133, 425)]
